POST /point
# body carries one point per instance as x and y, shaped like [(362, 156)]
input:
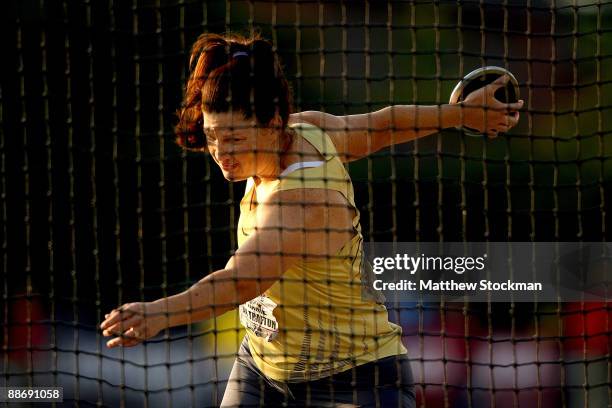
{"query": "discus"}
[(481, 77)]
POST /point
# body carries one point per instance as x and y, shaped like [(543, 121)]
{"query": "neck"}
[(284, 158)]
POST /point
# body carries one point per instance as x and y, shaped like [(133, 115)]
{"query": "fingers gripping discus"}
[(480, 77)]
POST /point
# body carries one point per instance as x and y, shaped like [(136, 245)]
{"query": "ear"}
[(276, 122)]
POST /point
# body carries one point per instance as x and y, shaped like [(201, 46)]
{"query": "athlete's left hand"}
[(484, 113), (133, 323)]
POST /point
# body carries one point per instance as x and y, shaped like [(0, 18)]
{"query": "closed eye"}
[(211, 137)]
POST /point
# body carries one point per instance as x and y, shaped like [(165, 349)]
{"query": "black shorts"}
[(383, 383)]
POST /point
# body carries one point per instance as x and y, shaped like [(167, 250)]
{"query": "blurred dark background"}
[(100, 207)]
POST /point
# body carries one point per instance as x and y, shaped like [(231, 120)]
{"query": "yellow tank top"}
[(314, 322)]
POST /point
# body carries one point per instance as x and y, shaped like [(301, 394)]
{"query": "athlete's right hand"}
[(133, 323)]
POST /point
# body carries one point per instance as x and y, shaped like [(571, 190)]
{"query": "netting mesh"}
[(100, 207)]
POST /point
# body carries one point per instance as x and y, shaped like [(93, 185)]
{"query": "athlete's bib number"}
[(256, 315)]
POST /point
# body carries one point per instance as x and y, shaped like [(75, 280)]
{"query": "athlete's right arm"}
[(287, 232)]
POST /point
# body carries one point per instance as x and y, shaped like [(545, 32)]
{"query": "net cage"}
[(100, 207)]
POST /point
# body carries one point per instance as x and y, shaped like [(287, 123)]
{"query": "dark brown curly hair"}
[(231, 72)]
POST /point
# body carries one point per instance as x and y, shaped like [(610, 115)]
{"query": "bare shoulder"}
[(319, 219), (308, 207), (306, 197), (350, 134), (323, 120), (334, 126)]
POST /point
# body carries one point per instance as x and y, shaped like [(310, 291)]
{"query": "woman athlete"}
[(313, 336)]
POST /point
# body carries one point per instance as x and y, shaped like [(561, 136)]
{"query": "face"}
[(240, 146)]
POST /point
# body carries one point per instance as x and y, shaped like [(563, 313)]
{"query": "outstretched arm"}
[(287, 232), (357, 136)]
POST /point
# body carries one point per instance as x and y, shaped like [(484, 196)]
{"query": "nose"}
[(225, 151)]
